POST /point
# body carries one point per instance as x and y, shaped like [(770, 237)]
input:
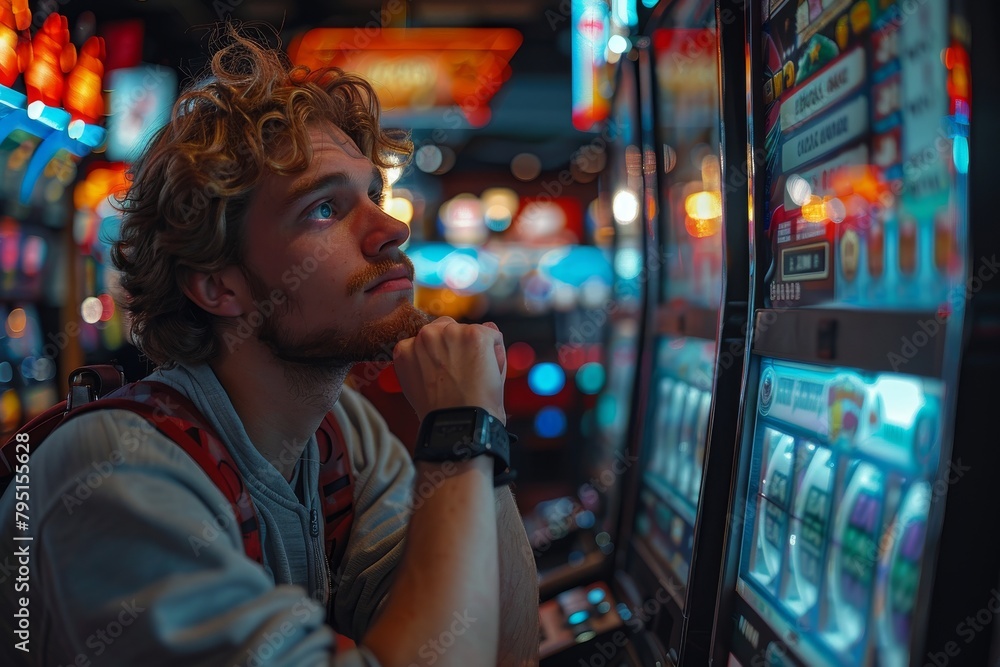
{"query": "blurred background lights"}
[(520, 357), (617, 44), (628, 263), (6, 372), (16, 322), (563, 296), (38, 368), (798, 189), (400, 208), (836, 210), (525, 166), (462, 220), (960, 154), (392, 174), (107, 307), (575, 265), (459, 271), (499, 206), (625, 206), (814, 210), (703, 205), (428, 159), (427, 258), (498, 217), (540, 219), (91, 310), (606, 410), (34, 251), (590, 378), (546, 379), (595, 292), (550, 422), (448, 158)]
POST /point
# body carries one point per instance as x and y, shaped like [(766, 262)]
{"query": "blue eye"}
[(323, 211)]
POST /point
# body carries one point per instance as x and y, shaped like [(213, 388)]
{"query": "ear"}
[(221, 293)]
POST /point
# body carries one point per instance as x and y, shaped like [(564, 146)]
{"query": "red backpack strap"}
[(176, 417), (336, 484)]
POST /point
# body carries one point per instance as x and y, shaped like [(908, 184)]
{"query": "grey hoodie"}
[(135, 558)]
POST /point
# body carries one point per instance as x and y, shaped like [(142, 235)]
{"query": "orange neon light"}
[(15, 43), (52, 55), (418, 68), (84, 97)]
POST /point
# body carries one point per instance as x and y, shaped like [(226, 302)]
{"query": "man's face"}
[(321, 239)]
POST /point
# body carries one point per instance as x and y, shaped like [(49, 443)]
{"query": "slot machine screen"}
[(689, 200), (839, 495), (865, 119)]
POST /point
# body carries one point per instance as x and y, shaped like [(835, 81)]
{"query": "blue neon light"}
[(550, 422), (546, 379)]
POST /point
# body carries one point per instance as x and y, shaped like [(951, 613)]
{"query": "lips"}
[(398, 277)]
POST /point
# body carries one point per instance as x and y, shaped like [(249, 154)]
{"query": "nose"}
[(381, 232)]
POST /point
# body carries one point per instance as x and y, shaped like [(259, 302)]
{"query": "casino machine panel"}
[(861, 118)]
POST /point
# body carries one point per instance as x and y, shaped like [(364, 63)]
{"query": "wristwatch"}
[(458, 434)]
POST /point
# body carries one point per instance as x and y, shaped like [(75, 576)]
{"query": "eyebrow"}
[(304, 187)]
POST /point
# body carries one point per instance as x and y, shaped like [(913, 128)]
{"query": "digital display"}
[(806, 263), (835, 516)]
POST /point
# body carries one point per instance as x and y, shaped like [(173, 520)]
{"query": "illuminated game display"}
[(865, 122), (835, 531)]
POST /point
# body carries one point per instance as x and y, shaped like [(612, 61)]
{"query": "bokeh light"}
[(550, 422), (546, 379)]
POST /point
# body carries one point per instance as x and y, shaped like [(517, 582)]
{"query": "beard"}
[(334, 348)]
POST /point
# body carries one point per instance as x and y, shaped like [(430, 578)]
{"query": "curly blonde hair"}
[(184, 212)]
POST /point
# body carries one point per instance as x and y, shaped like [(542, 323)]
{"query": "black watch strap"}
[(459, 434)]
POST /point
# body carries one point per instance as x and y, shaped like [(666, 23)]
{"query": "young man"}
[(258, 267)]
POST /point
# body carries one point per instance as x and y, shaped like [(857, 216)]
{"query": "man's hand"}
[(448, 365)]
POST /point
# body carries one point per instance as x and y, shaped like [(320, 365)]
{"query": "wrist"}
[(462, 434), (438, 470)]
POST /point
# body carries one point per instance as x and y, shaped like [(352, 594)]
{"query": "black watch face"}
[(453, 429)]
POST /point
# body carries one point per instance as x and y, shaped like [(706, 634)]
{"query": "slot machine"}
[(674, 504), (676, 524), (859, 450)]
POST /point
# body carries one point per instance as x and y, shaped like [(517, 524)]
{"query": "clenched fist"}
[(447, 365)]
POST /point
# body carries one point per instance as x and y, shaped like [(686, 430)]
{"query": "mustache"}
[(360, 279)]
